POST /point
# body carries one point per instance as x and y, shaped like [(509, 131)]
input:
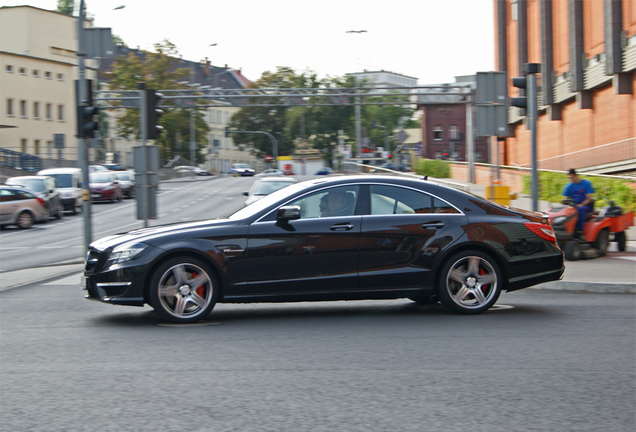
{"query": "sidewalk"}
[(613, 273)]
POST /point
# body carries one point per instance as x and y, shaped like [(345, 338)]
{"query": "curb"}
[(596, 287)]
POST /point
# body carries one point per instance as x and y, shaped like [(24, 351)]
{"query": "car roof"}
[(35, 177), (58, 171)]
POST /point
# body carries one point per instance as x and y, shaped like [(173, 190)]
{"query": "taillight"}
[(41, 201), (542, 230)]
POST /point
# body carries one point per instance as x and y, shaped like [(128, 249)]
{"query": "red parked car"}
[(104, 186)]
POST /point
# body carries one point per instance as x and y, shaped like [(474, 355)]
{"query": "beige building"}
[(38, 64)]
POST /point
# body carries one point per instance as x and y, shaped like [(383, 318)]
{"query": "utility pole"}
[(82, 148)]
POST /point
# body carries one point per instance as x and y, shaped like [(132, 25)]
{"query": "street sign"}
[(59, 141), (492, 87), (401, 136)]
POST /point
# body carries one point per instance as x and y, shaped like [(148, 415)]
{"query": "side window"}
[(397, 200), (339, 201), (7, 195), (440, 206)]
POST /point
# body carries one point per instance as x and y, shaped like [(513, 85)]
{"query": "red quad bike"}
[(595, 238)]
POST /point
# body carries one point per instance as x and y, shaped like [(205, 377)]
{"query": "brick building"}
[(587, 56)]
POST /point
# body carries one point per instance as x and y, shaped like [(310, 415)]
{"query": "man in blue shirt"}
[(580, 192)]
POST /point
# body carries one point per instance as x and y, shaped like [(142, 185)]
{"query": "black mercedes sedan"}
[(338, 238)]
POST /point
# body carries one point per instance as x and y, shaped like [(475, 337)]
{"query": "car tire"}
[(572, 251), (469, 283), (25, 220), (60, 212), (621, 240), (602, 242), (173, 296)]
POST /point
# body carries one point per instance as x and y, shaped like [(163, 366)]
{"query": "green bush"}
[(551, 186), (433, 168)]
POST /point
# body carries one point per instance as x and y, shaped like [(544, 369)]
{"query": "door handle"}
[(341, 227), (433, 225)]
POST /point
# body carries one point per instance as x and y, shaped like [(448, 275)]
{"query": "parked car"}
[(69, 183), (393, 238), (97, 168), (270, 173), (241, 170), (325, 171), (19, 206), (104, 186), (44, 187), (394, 166), (126, 181), (192, 170), (114, 167), (266, 186)]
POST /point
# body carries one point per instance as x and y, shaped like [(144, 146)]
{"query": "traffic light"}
[(153, 113), (86, 122), (521, 101)]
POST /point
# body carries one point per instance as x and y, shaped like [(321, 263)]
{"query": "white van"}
[(69, 183)]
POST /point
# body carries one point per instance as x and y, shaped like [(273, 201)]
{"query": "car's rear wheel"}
[(183, 290), (60, 211), (470, 283), (25, 220)]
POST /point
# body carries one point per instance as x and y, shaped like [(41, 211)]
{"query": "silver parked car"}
[(44, 187), (126, 181), (19, 206), (266, 186)]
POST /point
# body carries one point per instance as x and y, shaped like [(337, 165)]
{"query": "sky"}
[(431, 40)]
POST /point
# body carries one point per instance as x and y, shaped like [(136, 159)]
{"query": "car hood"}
[(99, 185), (152, 235)]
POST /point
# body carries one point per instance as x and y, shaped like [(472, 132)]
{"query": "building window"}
[(437, 133), (9, 68), (23, 108), (60, 77), (49, 149), (36, 73), (49, 111), (514, 10), (47, 75), (36, 147), (454, 132), (36, 110), (60, 113), (22, 71), (10, 107), (23, 145), (212, 115)]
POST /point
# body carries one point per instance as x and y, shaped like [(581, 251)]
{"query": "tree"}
[(65, 7), (160, 70)]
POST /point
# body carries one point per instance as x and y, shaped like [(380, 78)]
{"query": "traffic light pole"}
[(532, 119), (82, 148)]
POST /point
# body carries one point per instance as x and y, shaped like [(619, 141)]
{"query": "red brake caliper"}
[(483, 287), (199, 290)]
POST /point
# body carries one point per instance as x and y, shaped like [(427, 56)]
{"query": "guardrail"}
[(19, 160), (353, 168)]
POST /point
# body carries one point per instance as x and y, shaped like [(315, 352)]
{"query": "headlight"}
[(558, 220), (125, 252)]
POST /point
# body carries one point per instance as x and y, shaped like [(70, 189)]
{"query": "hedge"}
[(551, 185), (433, 168)]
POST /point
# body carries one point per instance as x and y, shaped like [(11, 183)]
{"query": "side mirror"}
[(246, 193), (288, 213)]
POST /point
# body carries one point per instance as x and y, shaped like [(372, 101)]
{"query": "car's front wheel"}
[(183, 290), (470, 283)]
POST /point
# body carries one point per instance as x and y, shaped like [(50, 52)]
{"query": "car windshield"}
[(123, 176), (62, 180), (100, 178), (33, 184), (267, 201), (241, 166), (267, 187)]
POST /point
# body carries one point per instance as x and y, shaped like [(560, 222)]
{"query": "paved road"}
[(551, 361)]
